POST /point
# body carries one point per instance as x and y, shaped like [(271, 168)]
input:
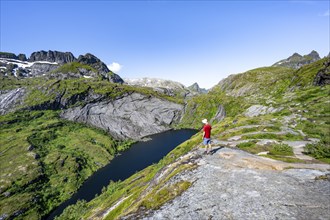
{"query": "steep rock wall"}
[(10, 99), (130, 117)]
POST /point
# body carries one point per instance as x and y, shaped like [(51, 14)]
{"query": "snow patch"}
[(24, 64)]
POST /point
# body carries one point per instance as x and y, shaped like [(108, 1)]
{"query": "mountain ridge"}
[(55, 64), (168, 87), (296, 60)]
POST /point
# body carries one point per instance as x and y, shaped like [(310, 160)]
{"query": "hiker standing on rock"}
[(207, 136)]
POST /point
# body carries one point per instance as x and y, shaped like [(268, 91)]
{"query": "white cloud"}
[(114, 67)]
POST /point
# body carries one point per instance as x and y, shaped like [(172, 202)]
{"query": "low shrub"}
[(281, 149), (319, 151), (249, 144)]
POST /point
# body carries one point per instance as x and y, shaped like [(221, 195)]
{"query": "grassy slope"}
[(275, 86), (64, 153), (270, 86), (62, 156), (292, 90), (42, 90)]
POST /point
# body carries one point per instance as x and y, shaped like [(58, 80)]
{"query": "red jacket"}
[(207, 131)]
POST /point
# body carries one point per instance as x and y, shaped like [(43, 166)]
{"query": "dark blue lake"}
[(136, 158)]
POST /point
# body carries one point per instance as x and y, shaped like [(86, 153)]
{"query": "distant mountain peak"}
[(295, 55), (195, 87), (296, 60), (314, 55)]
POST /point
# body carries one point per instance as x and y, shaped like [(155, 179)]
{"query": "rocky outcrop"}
[(20, 56), (42, 68), (256, 110), (220, 115), (9, 99), (232, 184), (96, 63), (323, 76), (52, 56), (7, 55), (296, 60), (63, 101), (129, 117)]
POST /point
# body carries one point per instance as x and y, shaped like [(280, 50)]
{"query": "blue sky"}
[(184, 41)]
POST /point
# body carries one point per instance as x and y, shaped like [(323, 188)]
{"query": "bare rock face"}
[(233, 184), (9, 99), (52, 56), (221, 114), (323, 76), (42, 68), (256, 110), (130, 117)]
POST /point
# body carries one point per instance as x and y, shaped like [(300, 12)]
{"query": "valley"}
[(60, 125)]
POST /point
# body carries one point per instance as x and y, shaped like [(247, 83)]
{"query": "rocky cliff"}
[(132, 116), (55, 64), (52, 56), (323, 76), (10, 99), (20, 57)]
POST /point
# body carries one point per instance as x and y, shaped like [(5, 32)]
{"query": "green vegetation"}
[(262, 128), (246, 145), (42, 91), (137, 192), (159, 197), (270, 86), (304, 76), (281, 150), (73, 67), (44, 160), (320, 151), (273, 136), (73, 212)]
